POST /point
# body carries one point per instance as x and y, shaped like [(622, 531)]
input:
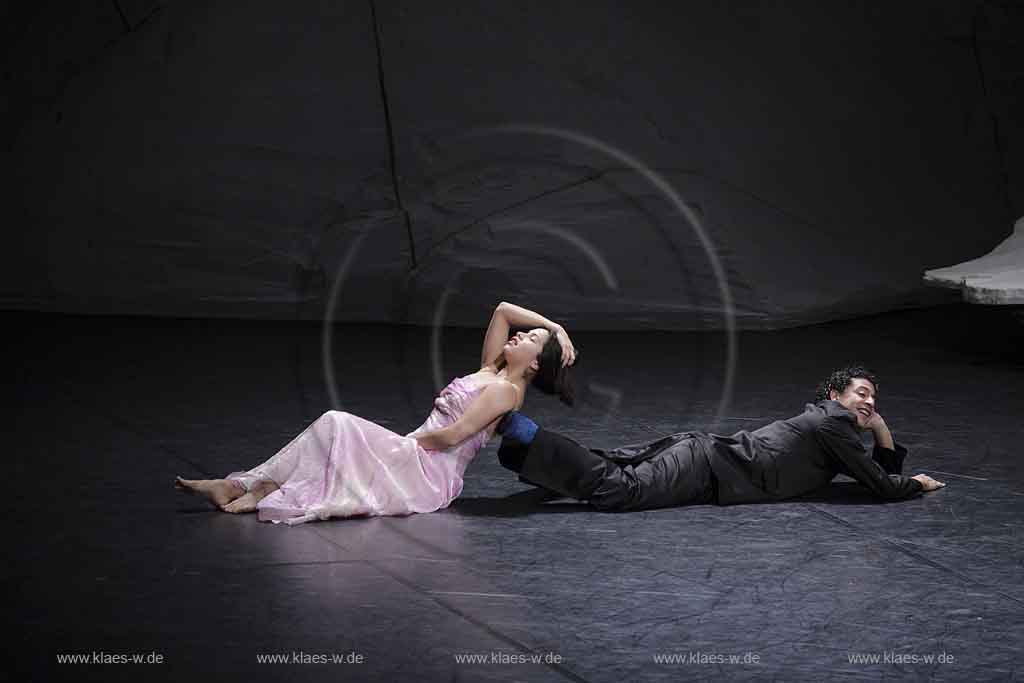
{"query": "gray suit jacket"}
[(789, 458)]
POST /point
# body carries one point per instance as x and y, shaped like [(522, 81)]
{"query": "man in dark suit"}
[(782, 460)]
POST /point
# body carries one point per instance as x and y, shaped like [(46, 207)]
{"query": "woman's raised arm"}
[(508, 315)]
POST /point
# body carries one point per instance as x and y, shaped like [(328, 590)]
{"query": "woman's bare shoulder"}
[(489, 378), (514, 392)]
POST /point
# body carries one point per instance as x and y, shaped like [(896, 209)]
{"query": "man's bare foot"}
[(220, 492), (247, 503)]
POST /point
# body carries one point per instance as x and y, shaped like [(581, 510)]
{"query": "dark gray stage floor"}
[(110, 559)]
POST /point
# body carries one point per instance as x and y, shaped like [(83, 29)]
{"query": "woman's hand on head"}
[(569, 352)]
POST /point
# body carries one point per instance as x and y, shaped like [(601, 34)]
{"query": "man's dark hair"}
[(841, 378), (552, 378)]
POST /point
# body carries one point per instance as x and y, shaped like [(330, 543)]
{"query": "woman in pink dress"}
[(345, 466)]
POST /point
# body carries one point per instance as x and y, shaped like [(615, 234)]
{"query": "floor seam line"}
[(920, 557), (557, 668)]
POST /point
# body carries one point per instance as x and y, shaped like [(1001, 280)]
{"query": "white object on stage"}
[(995, 278)]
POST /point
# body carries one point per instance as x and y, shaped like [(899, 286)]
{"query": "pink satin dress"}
[(345, 466)]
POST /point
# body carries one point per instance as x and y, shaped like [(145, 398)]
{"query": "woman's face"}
[(524, 347)]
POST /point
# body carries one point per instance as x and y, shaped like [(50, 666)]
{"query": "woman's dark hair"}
[(841, 378), (551, 377)]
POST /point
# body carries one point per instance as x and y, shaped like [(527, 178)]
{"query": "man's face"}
[(859, 398)]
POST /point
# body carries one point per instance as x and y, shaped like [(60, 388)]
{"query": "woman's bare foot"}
[(220, 492), (247, 503)]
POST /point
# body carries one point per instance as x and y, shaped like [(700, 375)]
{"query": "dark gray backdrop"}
[(235, 159)]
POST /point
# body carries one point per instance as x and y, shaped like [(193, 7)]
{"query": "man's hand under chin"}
[(880, 430)]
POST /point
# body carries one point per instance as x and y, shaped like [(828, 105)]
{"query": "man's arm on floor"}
[(839, 438)]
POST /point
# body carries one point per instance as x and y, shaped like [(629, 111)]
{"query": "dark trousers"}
[(677, 476)]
